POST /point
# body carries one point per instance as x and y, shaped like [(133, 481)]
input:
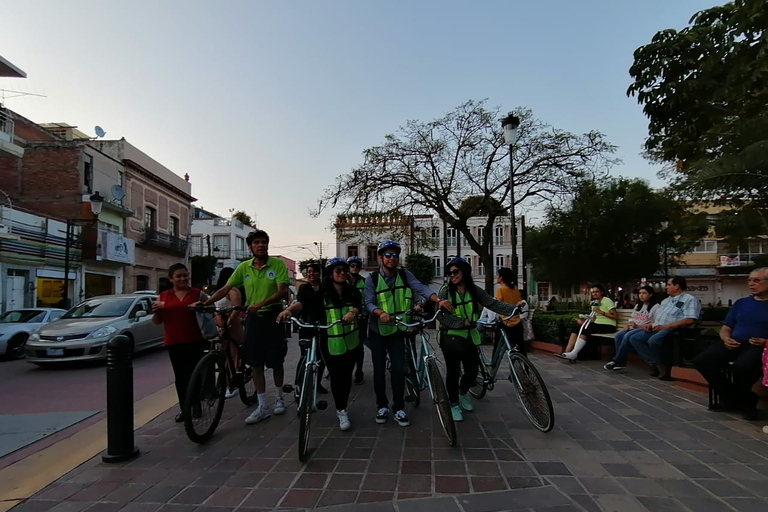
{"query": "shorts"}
[(265, 343)]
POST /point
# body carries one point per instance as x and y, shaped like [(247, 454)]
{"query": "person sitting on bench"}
[(604, 322)]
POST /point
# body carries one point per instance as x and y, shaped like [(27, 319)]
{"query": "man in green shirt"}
[(265, 280)]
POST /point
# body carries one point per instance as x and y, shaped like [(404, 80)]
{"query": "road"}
[(79, 390)]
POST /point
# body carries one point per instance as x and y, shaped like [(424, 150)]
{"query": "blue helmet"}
[(354, 259), (389, 244), (335, 262)]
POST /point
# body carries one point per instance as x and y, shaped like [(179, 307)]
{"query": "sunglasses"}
[(391, 255), (454, 272), (354, 265), (340, 270)]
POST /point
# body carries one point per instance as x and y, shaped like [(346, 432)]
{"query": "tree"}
[(612, 232), (420, 266), (243, 217), (432, 167), (202, 269), (704, 91)]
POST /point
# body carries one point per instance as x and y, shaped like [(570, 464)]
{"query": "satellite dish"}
[(99, 131), (117, 192)]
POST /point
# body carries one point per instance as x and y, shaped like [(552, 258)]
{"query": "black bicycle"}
[(222, 368)]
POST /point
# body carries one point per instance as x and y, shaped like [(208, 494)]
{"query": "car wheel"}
[(16, 346)]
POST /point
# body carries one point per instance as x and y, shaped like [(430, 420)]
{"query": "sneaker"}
[(765, 429), (456, 413), (279, 406), (402, 419), (617, 367), (344, 423), (231, 393), (258, 414), (610, 365), (465, 403), (381, 415), (359, 378), (561, 355)]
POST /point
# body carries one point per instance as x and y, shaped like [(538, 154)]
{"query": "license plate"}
[(55, 351)]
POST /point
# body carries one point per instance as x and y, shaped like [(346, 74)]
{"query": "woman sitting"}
[(604, 321), (643, 314)]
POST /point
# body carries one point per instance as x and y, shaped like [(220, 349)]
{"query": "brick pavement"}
[(623, 442)]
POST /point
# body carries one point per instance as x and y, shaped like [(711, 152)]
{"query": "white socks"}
[(279, 393), (262, 400), (580, 344)]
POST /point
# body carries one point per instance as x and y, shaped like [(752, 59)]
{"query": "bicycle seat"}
[(305, 344)]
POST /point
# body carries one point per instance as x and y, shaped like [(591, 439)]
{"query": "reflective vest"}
[(360, 285), (464, 308), (341, 337), (396, 301)]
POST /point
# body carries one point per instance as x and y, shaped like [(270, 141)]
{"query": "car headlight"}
[(103, 332), (34, 337)]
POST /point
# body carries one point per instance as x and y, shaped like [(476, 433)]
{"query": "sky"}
[(265, 103)]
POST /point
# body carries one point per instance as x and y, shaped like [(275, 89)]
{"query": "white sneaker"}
[(231, 393), (258, 414), (279, 406), (381, 415), (344, 423)]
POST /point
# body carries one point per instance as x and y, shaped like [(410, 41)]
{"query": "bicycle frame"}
[(427, 353), (499, 350), (311, 360)]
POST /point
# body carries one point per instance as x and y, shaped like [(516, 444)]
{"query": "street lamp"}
[(319, 245), (665, 226), (510, 124), (97, 202)]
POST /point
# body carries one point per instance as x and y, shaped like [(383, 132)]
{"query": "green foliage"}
[(611, 232), (420, 266), (243, 217), (202, 268)]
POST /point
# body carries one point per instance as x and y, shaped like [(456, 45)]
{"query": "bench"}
[(621, 323)]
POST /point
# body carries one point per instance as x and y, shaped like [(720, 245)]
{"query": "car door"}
[(142, 328)]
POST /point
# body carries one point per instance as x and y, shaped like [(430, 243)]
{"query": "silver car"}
[(82, 333), (17, 325)]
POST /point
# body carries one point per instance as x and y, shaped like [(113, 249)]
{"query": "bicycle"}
[(306, 382), (217, 372), (422, 372), (529, 385)]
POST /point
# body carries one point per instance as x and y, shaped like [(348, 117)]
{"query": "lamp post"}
[(320, 250), (97, 201), (665, 226), (510, 124)]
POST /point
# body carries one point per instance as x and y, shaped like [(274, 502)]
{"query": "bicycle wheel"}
[(305, 411), (245, 386), (205, 398), (532, 392), (479, 389), (299, 381), (412, 391), (441, 400)]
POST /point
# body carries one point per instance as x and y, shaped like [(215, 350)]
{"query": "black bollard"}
[(120, 445)]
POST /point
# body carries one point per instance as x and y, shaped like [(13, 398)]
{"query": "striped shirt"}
[(674, 309)]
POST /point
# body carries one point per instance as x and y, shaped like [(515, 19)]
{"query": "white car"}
[(17, 325)]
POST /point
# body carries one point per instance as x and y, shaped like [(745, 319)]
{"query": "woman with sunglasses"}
[(336, 299), (458, 338)]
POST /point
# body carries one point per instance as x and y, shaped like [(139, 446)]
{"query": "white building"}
[(223, 238), (427, 234)]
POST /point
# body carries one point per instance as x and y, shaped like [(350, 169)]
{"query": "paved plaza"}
[(622, 442)]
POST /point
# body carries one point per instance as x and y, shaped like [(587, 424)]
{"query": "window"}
[(438, 267), (480, 267), (240, 247), (498, 236), (436, 233), (480, 234), (196, 245), (109, 228), (173, 227), (150, 218), (542, 290), (452, 237), (373, 254), (351, 251), (88, 173), (221, 246), (55, 315), (708, 246), (142, 283), (499, 261)]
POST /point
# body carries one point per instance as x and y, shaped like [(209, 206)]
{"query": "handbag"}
[(207, 325)]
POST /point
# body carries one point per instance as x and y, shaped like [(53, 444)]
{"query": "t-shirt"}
[(179, 321), (260, 283), (606, 305), (748, 317), (510, 296), (643, 315)]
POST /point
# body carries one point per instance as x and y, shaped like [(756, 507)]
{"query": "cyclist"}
[(234, 322), (389, 292), (458, 337), (358, 281), (306, 293), (265, 279), (336, 299)]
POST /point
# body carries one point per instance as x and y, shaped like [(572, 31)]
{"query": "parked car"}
[(17, 325), (82, 333)]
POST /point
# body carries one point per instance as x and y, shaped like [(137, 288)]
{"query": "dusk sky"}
[(264, 104)]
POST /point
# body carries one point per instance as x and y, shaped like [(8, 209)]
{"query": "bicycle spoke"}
[(532, 391)]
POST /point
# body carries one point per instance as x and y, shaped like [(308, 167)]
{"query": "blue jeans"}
[(394, 345), (622, 346), (650, 345)]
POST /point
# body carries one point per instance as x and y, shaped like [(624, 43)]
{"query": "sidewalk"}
[(622, 442)]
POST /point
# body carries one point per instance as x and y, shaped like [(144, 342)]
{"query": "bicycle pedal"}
[(322, 405), (287, 388)]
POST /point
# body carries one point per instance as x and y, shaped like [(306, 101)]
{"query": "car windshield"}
[(100, 308), (22, 316)]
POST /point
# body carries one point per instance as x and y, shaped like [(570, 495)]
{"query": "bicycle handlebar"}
[(313, 326), (421, 320), (499, 319)]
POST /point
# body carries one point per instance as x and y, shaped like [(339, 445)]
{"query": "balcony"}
[(153, 239), (7, 146)]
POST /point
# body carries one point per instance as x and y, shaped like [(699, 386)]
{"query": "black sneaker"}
[(610, 365), (402, 419), (381, 415)]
